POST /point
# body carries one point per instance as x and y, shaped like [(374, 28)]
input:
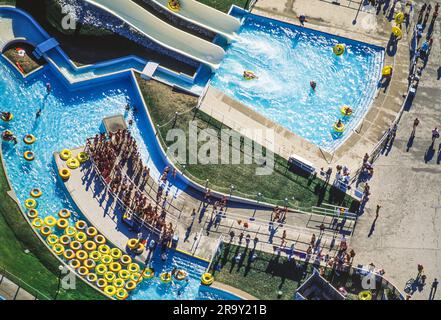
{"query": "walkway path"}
[(406, 184), (199, 234)]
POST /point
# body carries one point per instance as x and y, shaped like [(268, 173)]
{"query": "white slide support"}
[(162, 33), (205, 17)]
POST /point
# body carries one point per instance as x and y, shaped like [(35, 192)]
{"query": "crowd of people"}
[(111, 154)]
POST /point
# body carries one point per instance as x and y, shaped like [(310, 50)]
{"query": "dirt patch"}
[(20, 54)]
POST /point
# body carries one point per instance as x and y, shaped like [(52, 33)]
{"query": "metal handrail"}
[(21, 284)]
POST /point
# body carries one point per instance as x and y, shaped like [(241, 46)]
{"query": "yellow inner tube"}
[(73, 163), (80, 225), (121, 294), (99, 239), (83, 271), (70, 231), (91, 232), (386, 71), (36, 193), (65, 240), (399, 18), (207, 279), (82, 157), (50, 221), (165, 277), (29, 156), (81, 255), (95, 256), (81, 237), (58, 249), (148, 273), (69, 254), (249, 77), (339, 49), (109, 276), (365, 295), (62, 223), (115, 253), (11, 117), (101, 283), (174, 8), (101, 269), (181, 275), (90, 245), (37, 222), (32, 213), (52, 239), (130, 285), (75, 245), (125, 259), (135, 277), (132, 243), (397, 32), (31, 203), (64, 174), (104, 249), (115, 267), (74, 263), (92, 277), (64, 214), (45, 231), (119, 283), (339, 129), (65, 154), (89, 263), (29, 139), (124, 274), (344, 112), (106, 259), (133, 268), (110, 290)]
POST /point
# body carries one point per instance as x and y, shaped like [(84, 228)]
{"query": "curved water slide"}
[(205, 17), (162, 33)]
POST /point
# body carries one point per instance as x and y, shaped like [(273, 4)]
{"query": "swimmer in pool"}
[(48, 88), (339, 124), (313, 84), (249, 75)]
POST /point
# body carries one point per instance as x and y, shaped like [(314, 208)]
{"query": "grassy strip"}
[(224, 5), (282, 184), (264, 277), (38, 268)]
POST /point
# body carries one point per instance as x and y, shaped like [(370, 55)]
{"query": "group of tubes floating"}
[(72, 162), (86, 251)]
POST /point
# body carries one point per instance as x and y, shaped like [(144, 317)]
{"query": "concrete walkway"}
[(406, 186), (10, 291)]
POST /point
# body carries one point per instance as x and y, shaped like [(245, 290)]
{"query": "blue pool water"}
[(68, 118), (154, 289), (286, 58)]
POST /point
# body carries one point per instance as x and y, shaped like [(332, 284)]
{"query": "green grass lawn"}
[(282, 183), (38, 268), (224, 5)]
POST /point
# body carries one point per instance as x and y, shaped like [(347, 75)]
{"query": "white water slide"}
[(205, 17), (162, 33)]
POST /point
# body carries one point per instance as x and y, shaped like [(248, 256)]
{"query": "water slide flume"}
[(162, 33), (205, 17)]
